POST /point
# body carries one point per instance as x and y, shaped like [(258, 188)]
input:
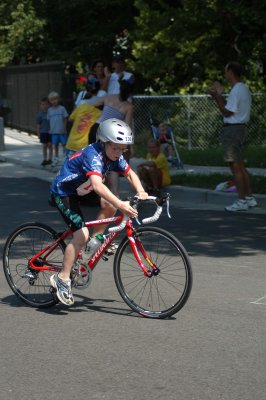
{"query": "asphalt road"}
[(214, 348)]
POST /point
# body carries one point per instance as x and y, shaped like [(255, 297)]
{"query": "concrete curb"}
[(206, 196)]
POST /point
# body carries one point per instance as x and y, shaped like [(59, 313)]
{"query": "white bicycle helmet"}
[(115, 131)]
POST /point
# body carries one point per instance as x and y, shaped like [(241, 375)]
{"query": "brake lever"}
[(158, 201), (168, 207), (134, 204), (136, 218), (165, 199)]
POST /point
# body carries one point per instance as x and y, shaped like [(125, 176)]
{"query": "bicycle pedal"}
[(104, 258)]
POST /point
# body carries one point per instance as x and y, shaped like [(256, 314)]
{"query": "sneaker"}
[(55, 162), (48, 162), (63, 290), (251, 201), (44, 163), (238, 205)]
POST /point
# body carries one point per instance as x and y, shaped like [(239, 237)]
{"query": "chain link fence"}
[(195, 119)]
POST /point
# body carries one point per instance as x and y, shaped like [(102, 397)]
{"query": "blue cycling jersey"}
[(74, 176)]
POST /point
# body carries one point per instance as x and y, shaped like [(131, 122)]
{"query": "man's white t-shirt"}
[(239, 103), (113, 85)]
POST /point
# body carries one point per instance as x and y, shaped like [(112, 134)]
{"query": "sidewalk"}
[(25, 150)]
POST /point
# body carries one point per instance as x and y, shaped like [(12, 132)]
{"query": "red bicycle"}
[(151, 268)]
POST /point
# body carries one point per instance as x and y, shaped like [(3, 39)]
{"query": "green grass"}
[(212, 180), (255, 156)]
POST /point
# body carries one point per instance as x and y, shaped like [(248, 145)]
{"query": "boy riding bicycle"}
[(82, 173)]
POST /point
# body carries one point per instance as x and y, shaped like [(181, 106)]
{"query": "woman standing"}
[(115, 106), (102, 73)]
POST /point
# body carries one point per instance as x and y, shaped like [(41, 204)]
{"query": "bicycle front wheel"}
[(164, 293), (30, 285)]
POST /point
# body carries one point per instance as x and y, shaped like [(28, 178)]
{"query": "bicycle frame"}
[(134, 243), (34, 252)]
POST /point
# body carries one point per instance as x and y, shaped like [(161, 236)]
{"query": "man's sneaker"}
[(63, 290), (251, 201), (55, 162), (48, 162), (238, 205)]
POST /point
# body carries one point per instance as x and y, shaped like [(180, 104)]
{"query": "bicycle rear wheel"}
[(32, 286), (161, 295)]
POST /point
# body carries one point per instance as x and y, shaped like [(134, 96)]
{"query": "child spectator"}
[(165, 141), (84, 116), (154, 173), (57, 116), (43, 128)]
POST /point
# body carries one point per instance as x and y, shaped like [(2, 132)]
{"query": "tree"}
[(21, 33), (173, 46), (72, 31), (183, 45), (83, 31)]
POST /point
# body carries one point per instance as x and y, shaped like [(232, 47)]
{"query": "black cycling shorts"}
[(69, 208)]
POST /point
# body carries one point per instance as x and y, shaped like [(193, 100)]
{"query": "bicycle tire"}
[(161, 295), (32, 287)]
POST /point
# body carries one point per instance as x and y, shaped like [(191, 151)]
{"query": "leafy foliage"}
[(84, 31), (21, 32), (173, 46), (185, 44)]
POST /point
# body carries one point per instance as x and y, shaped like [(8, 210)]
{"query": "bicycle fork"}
[(136, 245)]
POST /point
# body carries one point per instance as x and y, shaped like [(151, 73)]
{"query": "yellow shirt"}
[(161, 163), (84, 116)]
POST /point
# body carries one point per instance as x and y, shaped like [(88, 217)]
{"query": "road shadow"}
[(82, 304), (203, 232), (218, 233)]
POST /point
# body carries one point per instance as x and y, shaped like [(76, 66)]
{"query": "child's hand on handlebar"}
[(143, 195), (126, 208)]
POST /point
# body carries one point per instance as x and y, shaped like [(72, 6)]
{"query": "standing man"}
[(236, 113), (118, 65)]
